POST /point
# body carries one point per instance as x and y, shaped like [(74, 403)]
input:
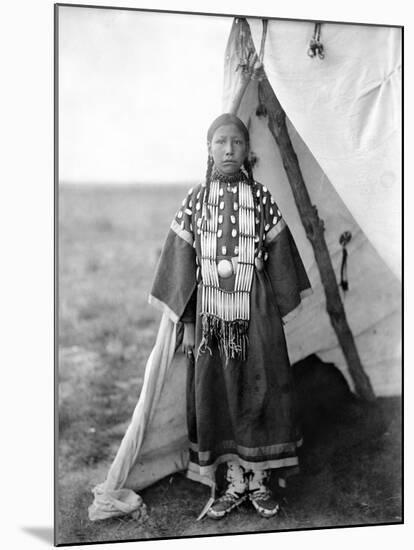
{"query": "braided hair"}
[(257, 198), (205, 188), (249, 170), (210, 164)]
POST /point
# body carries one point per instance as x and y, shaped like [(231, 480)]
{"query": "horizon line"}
[(126, 182)]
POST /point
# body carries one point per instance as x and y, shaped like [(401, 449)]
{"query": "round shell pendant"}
[(225, 269)]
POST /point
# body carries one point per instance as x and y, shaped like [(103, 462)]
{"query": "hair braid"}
[(210, 164), (205, 188), (248, 167)]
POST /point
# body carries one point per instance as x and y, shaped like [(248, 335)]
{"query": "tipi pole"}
[(314, 228)]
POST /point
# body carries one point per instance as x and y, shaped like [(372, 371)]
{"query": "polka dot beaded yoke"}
[(229, 225)]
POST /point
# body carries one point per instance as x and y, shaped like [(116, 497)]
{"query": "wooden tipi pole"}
[(314, 228)]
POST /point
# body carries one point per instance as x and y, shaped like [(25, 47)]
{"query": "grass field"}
[(109, 242)]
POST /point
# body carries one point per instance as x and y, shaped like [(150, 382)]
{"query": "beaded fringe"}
[(230, 336), (226, 314)]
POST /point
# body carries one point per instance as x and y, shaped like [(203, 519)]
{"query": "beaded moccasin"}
[(264, 502), (225, 504)]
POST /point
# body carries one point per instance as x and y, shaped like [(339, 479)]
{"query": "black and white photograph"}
[(228, 271)]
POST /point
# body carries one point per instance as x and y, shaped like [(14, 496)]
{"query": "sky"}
[(137, 92)]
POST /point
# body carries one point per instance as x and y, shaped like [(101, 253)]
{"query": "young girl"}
[(230, 271)]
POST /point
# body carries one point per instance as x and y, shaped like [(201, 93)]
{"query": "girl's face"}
[(228, 148)]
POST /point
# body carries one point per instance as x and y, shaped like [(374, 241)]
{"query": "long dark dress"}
[(236, 410)]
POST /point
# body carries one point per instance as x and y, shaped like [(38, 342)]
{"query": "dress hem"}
[(205, 474)]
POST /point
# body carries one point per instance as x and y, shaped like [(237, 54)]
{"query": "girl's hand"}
[(188, 338)]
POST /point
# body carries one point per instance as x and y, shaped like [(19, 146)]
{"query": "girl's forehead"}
[(228, 130)]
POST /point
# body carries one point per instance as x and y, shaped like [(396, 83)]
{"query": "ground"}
[(109, 242)]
